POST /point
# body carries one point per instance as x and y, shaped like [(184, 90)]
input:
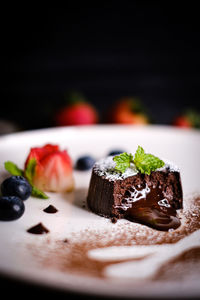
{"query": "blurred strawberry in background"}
[(128, 111), (188, 119), (77, 111)]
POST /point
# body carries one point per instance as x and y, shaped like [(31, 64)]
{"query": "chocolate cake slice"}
[(147, 199)]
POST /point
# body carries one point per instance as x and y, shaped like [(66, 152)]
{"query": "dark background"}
[(145, 49)]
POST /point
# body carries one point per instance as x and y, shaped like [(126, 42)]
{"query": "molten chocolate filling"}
[(149, 206)]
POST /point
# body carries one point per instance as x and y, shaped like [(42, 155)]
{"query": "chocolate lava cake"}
[(151, 200)]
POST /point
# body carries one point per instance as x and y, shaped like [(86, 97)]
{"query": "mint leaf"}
[(122, 161), (30, 170), (38, 193), (146, 163), (29, 174), (13, 169), (139, 154)]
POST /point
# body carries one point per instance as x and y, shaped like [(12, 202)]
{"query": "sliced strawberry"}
[(40, 152), (53, 171)]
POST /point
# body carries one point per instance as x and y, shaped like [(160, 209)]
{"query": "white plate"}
[(16, 259)]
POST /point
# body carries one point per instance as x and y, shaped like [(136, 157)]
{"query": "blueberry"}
[(115, 152), (11, 208), (85, 163), (16, 186)]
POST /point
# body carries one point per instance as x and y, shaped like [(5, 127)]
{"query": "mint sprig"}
[(38, 193), (28, 173), (144, 162)]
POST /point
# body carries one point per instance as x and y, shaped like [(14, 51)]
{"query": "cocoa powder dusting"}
[(181, 266), (71, 256)]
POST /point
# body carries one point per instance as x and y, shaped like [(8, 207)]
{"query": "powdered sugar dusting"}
[(169, 165), (106, 167)]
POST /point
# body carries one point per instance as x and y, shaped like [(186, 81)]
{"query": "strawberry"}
[(128, 111), (53, 170), (77, 112), (39, 152), (189, 119)]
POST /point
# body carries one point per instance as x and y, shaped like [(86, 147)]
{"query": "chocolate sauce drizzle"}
[(149, 206), (50, 209), (38, 229)]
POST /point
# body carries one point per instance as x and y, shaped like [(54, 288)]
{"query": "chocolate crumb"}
[(65, 241), (38, 229), (114, 220), (50, 209)]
